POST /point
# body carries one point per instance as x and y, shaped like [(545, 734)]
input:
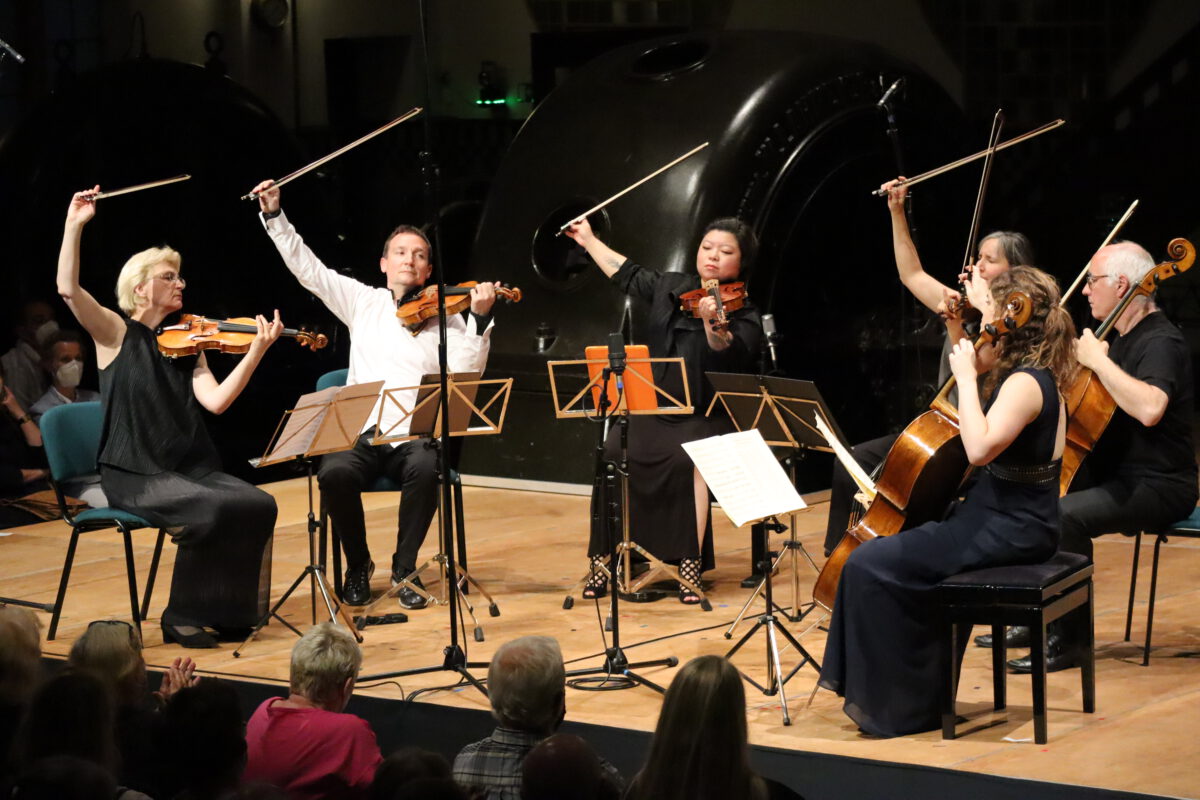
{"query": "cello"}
[(1090, 407), (923, 470)]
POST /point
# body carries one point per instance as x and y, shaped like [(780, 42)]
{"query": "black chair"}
[(1033, 595), (1187, 528), (328, 535), (71, 436)]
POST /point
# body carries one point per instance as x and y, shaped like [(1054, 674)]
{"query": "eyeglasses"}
[(133, 636), (1091, 279), (170, 277)]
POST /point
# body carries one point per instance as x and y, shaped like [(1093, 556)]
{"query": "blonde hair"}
[(20, 652), (137, 271), (111, 650), (322, 660)]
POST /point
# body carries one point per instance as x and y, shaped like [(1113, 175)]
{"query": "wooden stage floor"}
[(527, 548)]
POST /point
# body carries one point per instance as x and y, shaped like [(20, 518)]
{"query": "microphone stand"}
[(455, 658)]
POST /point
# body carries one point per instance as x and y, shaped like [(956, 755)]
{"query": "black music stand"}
[(327, 421)]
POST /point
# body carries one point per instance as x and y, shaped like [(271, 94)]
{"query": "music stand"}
[(468, 417), (327, 421), (780, 408), (641, 397), (617, 672)]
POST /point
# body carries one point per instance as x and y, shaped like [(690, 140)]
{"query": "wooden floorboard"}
[(527, 548)]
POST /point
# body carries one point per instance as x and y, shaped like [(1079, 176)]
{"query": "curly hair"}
[(1045, 340)]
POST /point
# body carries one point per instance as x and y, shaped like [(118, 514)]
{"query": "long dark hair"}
[(700, 748), (1045, 340)]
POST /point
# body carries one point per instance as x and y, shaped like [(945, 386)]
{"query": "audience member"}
[(20, 652), (65, 778), (22, 460), (62, 360), (23, 363), (565, 767), (700, 748), (432, 789), (203, 749), (405, 766), (304, 743), (527, 689), (70, 715)]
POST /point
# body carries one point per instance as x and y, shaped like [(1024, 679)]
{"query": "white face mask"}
[(45, 331), (69, 374)]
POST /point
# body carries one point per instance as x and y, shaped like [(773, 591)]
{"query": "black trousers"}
[(869, 455), (344, 476), (1121, 506)]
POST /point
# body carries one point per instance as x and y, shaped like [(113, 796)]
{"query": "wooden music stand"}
[(327, 421), (468, 417)]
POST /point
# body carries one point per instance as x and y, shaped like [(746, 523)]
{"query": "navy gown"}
[(883, 654)]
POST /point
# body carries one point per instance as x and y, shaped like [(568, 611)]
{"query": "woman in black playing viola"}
[(669, 503)]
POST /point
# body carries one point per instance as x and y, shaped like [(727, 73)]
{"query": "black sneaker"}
[(409, 598), (356, 586)]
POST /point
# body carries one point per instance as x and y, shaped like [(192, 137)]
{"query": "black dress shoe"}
[(356, 587), (1016, 636), (411, 599), (188, 636), (1058, 657)]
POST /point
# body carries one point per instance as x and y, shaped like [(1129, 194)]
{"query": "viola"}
[(194, 333), (424, 306), (922, 471), (729, 297), (1090, 407)]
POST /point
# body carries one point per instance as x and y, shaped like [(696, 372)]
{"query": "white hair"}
[(1127, 259), (526, 683), (137, 271), (322, 660)]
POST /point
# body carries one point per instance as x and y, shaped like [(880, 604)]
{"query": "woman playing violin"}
[(669, 504), (883, 653), (156, 458), (998, 251)]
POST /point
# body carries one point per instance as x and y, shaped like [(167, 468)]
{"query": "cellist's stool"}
[(1032, 595), (1186, 528)]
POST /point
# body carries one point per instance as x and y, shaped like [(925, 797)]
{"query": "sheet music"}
[(857, 473), (745, 476)]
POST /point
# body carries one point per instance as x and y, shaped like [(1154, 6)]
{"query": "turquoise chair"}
[(1186, 529), (71, 438)]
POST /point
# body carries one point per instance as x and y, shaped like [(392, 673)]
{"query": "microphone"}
[(883, 101), (6, 48), (768, 326), (616, 353)]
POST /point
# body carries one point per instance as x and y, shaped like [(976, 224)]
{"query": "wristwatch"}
[(21, 420)]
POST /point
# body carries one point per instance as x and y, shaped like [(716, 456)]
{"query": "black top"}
[(152, 420), (1154, 351), (15, 455), (1035, 443), (670, 333)]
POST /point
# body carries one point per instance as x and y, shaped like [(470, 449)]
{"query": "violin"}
[(729, 296), (1090, 406), (194, 333), (922, 471), (413, 313)]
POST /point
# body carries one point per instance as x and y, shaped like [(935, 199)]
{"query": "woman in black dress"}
[(156, 458), (669, 505), (883, 653)]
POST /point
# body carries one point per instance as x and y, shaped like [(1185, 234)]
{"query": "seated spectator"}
[(20, 671), (111, 650), (700, 748), (65, 778), (62, 359), (304, 743), (70, 715), (203, 749), (527, 689), (405, 766), (22, 460), (565, 767), (23, 363)]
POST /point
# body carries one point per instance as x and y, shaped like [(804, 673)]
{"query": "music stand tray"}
[(321, 422)]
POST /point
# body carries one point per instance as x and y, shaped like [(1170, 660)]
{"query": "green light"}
[(499, 102)]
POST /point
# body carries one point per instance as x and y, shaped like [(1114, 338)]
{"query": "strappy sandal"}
[(597, 582), (689, 570)]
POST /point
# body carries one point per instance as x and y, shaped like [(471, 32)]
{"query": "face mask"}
[(45, 331), (69, 374)]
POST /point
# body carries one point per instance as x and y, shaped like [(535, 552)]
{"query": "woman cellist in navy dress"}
[(883, 654)]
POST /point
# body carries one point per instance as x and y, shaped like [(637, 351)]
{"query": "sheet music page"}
[(301, 427), (745, 476)]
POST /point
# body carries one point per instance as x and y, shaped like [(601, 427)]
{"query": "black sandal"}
[(689, 570), (597, 582)]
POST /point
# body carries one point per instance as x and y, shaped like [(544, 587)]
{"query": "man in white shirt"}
[(382, 349)]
